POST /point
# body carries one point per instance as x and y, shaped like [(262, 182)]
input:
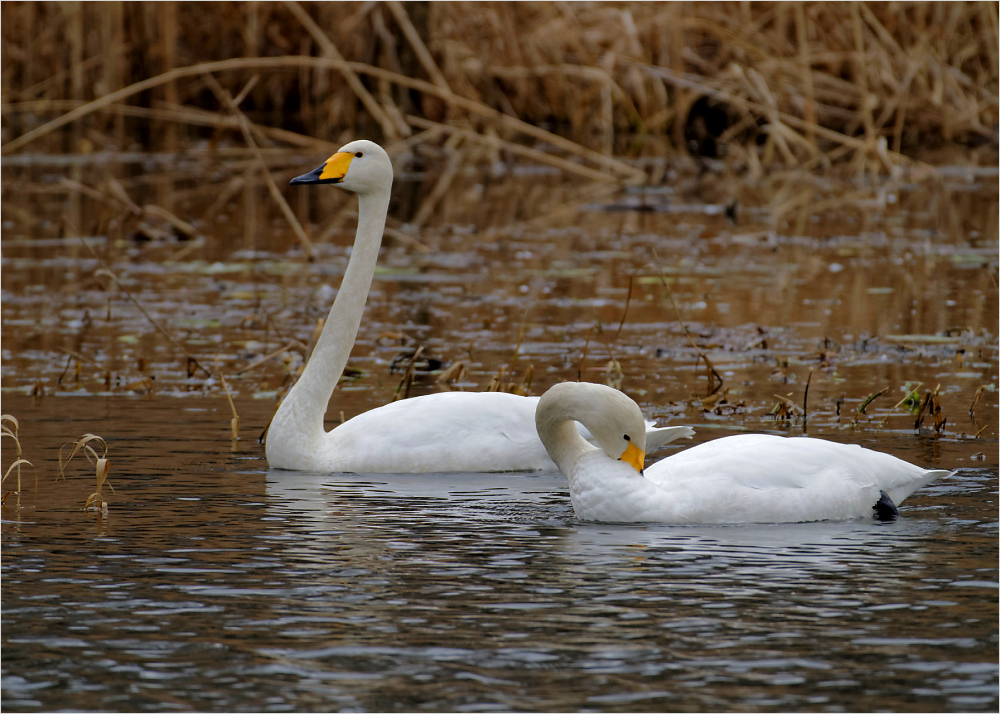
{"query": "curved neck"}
[(326, 364), (555, 422)]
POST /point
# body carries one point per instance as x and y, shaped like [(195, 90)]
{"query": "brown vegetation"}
[(868, 86)]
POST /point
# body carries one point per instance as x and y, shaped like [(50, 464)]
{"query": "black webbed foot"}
[(885, 509)]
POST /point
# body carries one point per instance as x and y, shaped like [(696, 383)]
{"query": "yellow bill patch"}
[(336, 166), (634, 457)]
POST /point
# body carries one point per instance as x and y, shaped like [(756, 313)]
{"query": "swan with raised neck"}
[(450, 431)]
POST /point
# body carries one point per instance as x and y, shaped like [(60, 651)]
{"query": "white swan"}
[(751, 478), (451, 431)]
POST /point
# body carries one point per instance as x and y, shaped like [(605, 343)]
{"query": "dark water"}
[(214, 584)]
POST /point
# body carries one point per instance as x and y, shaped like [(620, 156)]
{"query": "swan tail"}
[(900, 492), (660, 436)]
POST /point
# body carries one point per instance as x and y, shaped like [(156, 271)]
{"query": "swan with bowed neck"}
[(750, 478), (451, 431)]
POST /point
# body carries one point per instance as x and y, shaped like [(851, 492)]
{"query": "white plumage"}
[(453, 431), (751, 478)]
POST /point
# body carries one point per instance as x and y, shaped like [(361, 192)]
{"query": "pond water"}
[(213, 583)]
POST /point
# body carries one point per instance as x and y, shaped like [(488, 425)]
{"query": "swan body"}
[(750, 478), (450, 431)]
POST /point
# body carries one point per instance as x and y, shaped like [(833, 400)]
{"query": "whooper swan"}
[(750, 478), (450, 431)]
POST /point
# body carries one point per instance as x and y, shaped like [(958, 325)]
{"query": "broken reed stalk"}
[(452, 374), (8, 428), (95, 501), (496, 382), (624, 170), (106, 270), (805, 396), (226, 99), (711, 371), (294, 344), (864, 405), (234, 423), (784, 409), (499, 382), (874, 70), (76, 358), (628, 301), (975, 400), (193, 363), (416, 42), (614, 375), (120, 198), (534, 154), (912, 396), (443, 184), (179, 114), (407, 381), (520, 338), (330, 50), (406, 239), (525, 387), (931, 406), (102, 465)]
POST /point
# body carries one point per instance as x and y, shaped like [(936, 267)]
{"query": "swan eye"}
[(627, 437), (360, 154)]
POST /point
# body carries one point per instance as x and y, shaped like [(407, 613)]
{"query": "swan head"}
[(613, 419), (361, 166)]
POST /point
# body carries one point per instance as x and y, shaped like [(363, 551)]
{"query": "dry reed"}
[(8, 428), (102, 465), (865, 403), (868, 86)]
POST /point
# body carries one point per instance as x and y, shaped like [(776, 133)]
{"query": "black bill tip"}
[(314, 177)]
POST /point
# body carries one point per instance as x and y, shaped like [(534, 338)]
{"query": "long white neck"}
[(298, 424), (554, 420)]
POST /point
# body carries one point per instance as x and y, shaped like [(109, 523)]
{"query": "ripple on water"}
[(481, 592)]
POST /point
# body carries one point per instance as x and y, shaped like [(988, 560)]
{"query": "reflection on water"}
[(214, 584), (867, 287)]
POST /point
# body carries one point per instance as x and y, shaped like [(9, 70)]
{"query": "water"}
[(215, 584)]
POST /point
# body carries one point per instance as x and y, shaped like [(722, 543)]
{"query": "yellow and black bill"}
[(333, 170), (634, 457)]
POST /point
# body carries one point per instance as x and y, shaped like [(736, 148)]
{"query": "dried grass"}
[(865, 403), (8, 428), (931, 407), (867, 86), (101, 463)]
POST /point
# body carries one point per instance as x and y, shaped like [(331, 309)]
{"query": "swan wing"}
[(662, 435), (764, 478), (450, 431)]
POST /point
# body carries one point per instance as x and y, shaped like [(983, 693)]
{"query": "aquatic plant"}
[(102, 465), (8, 428), (931, 407), (865, 403)]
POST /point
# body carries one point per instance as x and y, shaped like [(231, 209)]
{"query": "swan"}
[(749, 478), (450, 431)]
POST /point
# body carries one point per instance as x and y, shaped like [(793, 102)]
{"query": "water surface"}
[(215, 584)]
